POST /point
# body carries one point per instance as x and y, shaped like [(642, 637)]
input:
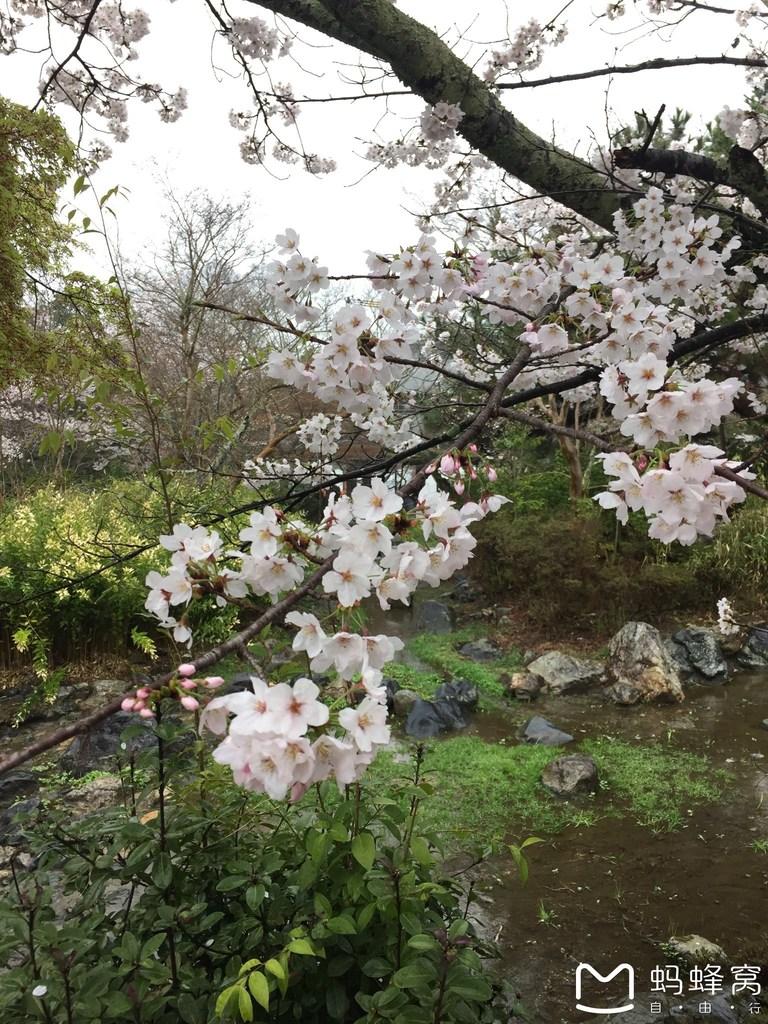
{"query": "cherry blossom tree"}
[(631, 282)]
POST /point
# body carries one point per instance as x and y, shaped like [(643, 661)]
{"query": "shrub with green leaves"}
[(199, 902)]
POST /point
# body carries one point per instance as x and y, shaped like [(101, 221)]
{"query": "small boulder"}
[(429, 718), (754, 653), (571, 775), (480, 650), (702, 652), (561, 673), (403, 701), (523, 686), (461, 691), (434, 617), (764, 723), (99, 748), (640, 668), (696, 949), (12, 821), (98, 793), (539, 730), (15, 785)]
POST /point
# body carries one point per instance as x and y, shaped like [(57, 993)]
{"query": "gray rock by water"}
[(434, 617), (640, 668), (754, 653), (562, 673), (403, 701), (571, 775), (702, 652), (480, 650), (539, 730), (523, 686)]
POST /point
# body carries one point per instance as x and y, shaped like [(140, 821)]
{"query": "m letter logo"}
[(583, 969)]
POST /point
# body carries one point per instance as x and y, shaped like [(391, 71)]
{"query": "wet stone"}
[(539, 730), (523, 686), (570, 776), (429, 718), (434, 617), (480, 650), (403, 701), (562, 673), (696, 949), (701, 653)]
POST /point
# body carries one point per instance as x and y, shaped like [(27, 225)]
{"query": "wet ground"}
[(614, 892)]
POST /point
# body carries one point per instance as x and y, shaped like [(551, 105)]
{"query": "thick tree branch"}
[(424, 63)]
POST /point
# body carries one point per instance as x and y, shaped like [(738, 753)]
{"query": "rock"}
[(403, 701), (104, 689), (561, 673), (434, 617), (104, 791), (571, 775), (539, 730), (16, 784), (12, 821), (529, 656), (391, 686), (99, 747), (697, 949), (463, 591), (523, 686), (459, 690), (429, 718), (702, 652), (764, 723), (640, 668), (480, 650), (754, 653)]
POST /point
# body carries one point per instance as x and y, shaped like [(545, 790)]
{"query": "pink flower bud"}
[(147, 713), (529, 328), (128, 704), (188, 684), (186, 669), (459, 487), (298, 789), (473, 474), (447, 465), (142, 693), (212, 682), (190, 703), (473, 448), (491, 474)]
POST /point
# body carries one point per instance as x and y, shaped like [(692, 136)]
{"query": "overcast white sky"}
[(337, 217)]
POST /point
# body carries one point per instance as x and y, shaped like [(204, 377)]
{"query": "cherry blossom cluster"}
[(726, 622), (267, 743), (430, 146), (462, 467), (526, 51), (683, 498)]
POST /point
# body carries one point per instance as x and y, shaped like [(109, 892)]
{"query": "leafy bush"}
[(564, 572), (736, 559), (216, 904), (54, 536)]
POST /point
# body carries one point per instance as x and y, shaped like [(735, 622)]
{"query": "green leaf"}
[(342, 925), (151, 946), (415, 975), (232, 992), (420, 850), (254, 896), (232, 882), (423, 943), (244, 1005), (162, 872), (476, 989), (336, 1002), (259, 988), (302, 947), (191, 1011), (377, 967), (276, 968), (364, 850)]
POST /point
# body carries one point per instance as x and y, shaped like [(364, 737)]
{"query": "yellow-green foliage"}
[(56, 536), (738, 554)]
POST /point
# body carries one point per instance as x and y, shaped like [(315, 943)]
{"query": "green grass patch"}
[(486, 791), (440, 651), (409, 678)]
